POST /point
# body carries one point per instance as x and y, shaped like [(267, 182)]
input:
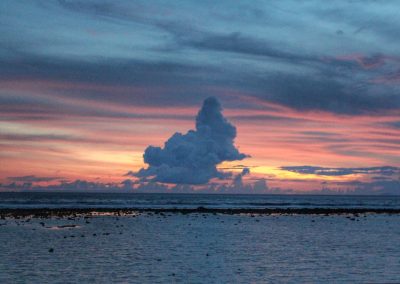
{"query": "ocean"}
[(157, 200), (199, 248)]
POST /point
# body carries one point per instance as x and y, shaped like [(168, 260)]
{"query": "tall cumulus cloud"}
[(192, 158)]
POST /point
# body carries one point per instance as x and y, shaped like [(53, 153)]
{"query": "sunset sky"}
[(312, 88)]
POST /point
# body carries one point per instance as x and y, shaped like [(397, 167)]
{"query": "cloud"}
[(238, 43), (167, 50), (386, 182), (77, 185), (394, 124), (323, 171), (238, 180), (375, 187), (366, 62), (233, 186), (327, 92), (259, 186), (237, 185), (192, 158), (33, 178), (389, 187)]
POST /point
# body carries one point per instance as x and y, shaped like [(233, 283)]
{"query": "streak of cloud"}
[(325, 171), (33, 178)]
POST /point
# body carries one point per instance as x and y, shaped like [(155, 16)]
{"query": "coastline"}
[(66, 212)]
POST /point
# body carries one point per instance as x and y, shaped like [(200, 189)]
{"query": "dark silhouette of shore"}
[(68, 212)]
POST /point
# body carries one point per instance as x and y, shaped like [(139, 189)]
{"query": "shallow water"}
[(201, 248)]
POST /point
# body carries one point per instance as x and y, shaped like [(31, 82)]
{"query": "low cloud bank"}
[(235, 185)]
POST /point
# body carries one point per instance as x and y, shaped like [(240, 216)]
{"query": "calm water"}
[(199, 248), (121, 200)]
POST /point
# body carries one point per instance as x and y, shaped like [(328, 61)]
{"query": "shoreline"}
[(66, 212)]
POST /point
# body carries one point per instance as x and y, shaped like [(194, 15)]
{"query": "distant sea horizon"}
[(68, 199), (202, 192)]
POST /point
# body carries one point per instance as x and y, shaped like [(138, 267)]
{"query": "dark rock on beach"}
[(74, 213)]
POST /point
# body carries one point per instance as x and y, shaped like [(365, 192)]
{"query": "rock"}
[(66, 226)]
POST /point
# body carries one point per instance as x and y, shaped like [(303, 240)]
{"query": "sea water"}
[(199, 248), (155, 200)]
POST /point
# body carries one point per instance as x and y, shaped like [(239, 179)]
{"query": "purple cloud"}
[(192, 158)]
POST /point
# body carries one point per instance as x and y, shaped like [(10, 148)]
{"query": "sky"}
[(212, 96)]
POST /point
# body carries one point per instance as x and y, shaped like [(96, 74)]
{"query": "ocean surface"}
[(153, 200), (199, 248)]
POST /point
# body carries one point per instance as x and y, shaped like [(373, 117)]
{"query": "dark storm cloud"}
[(307, 93), (160, 82), (239, 43), (192, 158), (323, 171), (255, 48), (300, 92), (113, 71), (327, 89), (247, 47)]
